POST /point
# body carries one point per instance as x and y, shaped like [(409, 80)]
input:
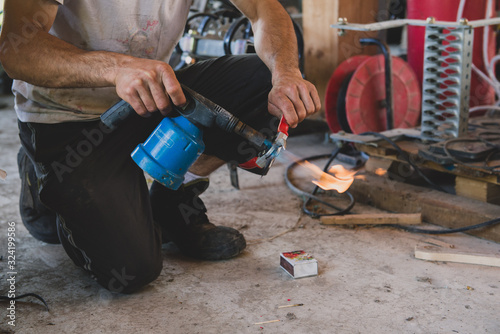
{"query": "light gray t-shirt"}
[(140, 28)]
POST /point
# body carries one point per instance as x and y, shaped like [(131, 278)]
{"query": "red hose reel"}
[(356, 95)]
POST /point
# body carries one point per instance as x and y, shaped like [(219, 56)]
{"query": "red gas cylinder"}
[(446, 10)]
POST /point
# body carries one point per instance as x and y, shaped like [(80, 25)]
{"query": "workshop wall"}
[(324, 49)]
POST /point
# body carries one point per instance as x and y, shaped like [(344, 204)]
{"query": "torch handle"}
[(117, 114)]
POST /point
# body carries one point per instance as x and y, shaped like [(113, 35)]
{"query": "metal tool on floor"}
[(177, 142)]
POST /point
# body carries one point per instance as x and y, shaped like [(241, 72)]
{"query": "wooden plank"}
[(435, 206), (374, 219), (357, 11), (433, 253), (477, 189), (324, 48), (320, 41)]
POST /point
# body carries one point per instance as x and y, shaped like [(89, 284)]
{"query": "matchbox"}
[(299, 264)]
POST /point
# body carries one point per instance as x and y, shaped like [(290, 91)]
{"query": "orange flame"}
[(338, 178), (380, 171)]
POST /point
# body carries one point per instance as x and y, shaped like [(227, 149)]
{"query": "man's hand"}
[(148, 86), (276, 44), (293, 97)]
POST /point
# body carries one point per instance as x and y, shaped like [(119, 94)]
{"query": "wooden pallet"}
[(471, 179)]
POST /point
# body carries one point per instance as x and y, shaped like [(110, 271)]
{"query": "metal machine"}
[(218, 32), (447, 72)]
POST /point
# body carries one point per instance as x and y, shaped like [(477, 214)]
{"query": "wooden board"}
[(435, 206), (324, 48), (477, 189), (432, 253), (374, 219), (320, 41)]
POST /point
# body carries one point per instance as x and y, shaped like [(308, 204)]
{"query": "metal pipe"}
[(388, 78)]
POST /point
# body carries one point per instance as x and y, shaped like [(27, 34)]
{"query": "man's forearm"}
[(28, 52), (276, 44), (50, 62), (275, 40)]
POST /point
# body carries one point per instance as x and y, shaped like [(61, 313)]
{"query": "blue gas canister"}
[(170, 150)]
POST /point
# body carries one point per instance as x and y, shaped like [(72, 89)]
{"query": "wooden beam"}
[(320, 41), (374, 219), (432, 253), (435, 206), (480, 190)]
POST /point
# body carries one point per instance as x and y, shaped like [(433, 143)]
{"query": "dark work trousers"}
[(100, 195)]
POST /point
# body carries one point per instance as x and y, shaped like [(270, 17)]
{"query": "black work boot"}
[(37, 218), (182, 217)]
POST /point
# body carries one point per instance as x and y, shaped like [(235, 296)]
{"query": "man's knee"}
[(131, 276)]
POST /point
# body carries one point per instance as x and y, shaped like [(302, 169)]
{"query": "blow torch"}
[(177, 142)]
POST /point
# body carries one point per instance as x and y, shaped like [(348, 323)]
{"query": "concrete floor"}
[(369, 280)]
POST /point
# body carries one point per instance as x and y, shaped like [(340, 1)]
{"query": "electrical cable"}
[(427, 231), (489, 77), (489, 65), (459, 162), (407, 158), (474, 109), (413, 229), (488, 141), (490, 158), (486, 78), (486, 33), (403, 154), (478, 139), (308, 197)]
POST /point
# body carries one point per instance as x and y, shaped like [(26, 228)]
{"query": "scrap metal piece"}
[(446, 82)]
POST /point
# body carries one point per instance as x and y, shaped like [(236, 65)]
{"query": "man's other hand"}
[(148, 86), (293, 97)]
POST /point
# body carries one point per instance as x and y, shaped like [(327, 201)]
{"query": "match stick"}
[(266, 322), (290, 305)]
